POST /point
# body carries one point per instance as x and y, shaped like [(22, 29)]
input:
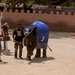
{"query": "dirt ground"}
[(59, 62)]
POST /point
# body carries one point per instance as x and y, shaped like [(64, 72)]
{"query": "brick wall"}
[(56, 22)]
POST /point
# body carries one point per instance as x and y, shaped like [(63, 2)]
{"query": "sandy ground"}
[(59, 62)]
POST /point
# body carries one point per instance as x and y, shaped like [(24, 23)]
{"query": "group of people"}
[(17, 36), (4, 33)]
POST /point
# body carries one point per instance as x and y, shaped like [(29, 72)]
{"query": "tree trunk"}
[(0, 0), (13, 4)]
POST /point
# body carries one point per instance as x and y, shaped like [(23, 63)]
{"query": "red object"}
[(4, 50), (73, 34), (5, 31)]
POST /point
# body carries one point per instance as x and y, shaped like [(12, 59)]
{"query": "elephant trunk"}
[(26, 42)]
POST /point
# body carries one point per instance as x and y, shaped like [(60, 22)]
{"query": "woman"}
[(5, 34)]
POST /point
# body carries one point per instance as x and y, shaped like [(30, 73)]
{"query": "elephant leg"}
[(30, 49), (28, 57), (29, 52), (44, 53), (38, 53)]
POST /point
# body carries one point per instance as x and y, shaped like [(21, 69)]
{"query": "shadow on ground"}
[(39, 60), (8, 54), (3, 62)]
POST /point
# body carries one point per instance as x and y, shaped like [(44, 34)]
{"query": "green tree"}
[(28, 3), (72, 3)]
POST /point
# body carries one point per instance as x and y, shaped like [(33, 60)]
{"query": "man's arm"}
[(13, 36)]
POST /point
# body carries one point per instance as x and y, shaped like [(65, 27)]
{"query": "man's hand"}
[(13, 40)]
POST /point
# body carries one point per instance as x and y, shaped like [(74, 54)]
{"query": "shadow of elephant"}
[(39, 60)]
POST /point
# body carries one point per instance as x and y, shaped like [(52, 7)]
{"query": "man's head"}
[(19, 24)]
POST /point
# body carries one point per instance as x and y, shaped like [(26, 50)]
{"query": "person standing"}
[(5, 34), (18, 35)]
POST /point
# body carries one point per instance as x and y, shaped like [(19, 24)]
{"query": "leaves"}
[(29, 2), (4, 1)]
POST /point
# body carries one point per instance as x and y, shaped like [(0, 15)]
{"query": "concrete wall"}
[(56, 22)]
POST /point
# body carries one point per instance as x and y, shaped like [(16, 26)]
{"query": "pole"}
[(49, 48)]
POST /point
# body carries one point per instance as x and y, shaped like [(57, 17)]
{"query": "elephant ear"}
[(34, 30), (32, 35)]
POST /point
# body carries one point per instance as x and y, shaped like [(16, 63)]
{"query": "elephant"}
[(36, 36), (30, 40)]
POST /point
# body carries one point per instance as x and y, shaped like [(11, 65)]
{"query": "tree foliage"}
[(28, 3)]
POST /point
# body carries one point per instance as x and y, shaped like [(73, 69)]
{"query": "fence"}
[(56, 22)]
